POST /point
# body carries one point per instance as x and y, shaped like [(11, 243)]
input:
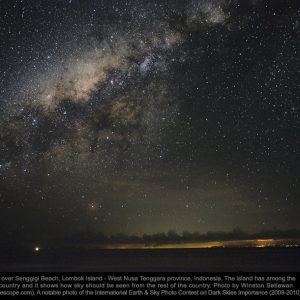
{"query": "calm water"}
[(147, 260)]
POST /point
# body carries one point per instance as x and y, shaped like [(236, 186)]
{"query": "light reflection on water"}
[(259, 243)]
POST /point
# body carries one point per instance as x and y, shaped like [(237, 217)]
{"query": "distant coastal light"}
[(257, 243)]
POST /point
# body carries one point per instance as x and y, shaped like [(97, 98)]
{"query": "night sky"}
[(146, 116)]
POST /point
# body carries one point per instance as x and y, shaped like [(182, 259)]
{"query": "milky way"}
[(137, 117)]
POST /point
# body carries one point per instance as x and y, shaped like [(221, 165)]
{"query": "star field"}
[(141, 117)]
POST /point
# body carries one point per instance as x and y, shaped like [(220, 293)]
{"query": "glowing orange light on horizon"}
[(259, 243)]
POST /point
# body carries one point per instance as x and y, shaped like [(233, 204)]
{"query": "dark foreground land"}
[(182, 260)]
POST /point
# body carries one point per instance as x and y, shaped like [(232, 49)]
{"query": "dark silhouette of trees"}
[(172, 236)]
